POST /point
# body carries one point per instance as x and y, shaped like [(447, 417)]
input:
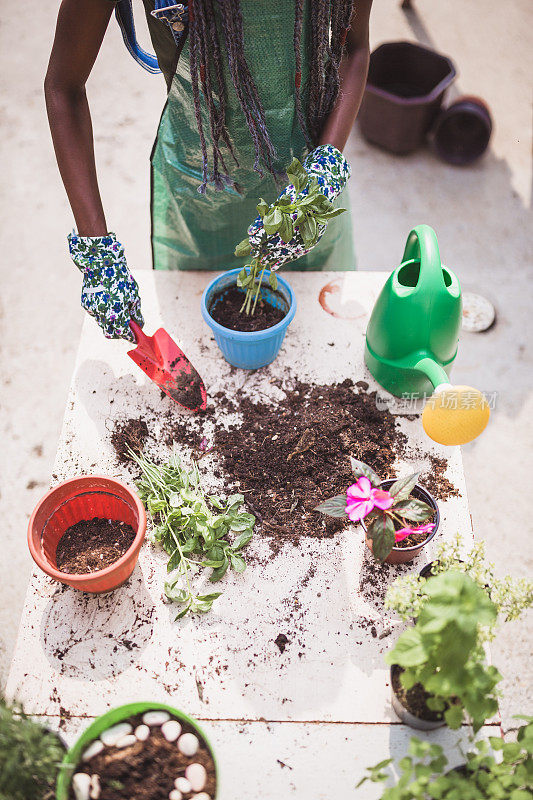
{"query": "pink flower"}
[(404, 532), (361, 498)]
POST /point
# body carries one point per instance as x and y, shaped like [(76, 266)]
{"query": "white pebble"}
[(183, 785), (201, 796), (171, 730), (96, 789), (112, 735), (142, 732), (155, 717), (175, 795), (197, 776), (81, 784), (126, 741), (188, 744), (94, 749)]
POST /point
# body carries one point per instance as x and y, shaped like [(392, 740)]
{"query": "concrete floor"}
[(482, 216)]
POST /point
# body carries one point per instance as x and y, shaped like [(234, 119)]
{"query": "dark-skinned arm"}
[(81, 26), (353, 74)]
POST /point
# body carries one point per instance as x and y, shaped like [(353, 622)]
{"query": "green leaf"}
[(360, 468), (297, 175), (219, 573), (241, 540), (262, 207), (243, 249), (381, 531), (237, 562), (272, 221), (308, 231), (216, 501), (212, 596), (402, 488), (333, 507), (273, 280), (414, 510), (182, 612), (286, 230), (454, 717), (244, 278), (408, 650)]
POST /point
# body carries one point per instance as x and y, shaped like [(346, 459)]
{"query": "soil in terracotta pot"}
[(226, 310), (414, 699), (414, 538), (93, 544), (147, 770)]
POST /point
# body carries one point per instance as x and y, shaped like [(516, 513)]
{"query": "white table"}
[(297, 724)]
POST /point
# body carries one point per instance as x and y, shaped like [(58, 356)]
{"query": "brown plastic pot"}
[(403, 96), (402, 555), (462, 132), (75, 500)]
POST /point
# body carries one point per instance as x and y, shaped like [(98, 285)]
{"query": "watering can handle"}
[(422, 245)]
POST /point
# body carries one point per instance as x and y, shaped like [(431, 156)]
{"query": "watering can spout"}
[(412, 339)]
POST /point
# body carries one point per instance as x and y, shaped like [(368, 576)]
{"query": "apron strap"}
[(124, 15)]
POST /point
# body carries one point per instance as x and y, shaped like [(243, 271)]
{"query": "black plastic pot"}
[(407, 717), (462, 132), (402, 555), (404, 92)]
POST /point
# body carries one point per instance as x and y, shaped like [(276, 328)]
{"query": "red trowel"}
[(168, 366)]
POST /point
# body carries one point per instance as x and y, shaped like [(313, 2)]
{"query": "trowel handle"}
[(140, 336), (422, 246)]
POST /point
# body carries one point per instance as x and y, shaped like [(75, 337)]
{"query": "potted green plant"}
[(250, 309), (511, 596), (399, 517), (163, 744), (30, 756), (492, 769), (439, 672)]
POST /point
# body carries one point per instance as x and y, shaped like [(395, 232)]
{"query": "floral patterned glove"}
[(331, 170), (109, 293)]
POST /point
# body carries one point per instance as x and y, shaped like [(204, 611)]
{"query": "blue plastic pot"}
[(249, 349)]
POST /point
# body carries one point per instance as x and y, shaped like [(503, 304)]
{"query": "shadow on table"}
[(93, 637)]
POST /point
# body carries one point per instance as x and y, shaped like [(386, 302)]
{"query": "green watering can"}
[(412, 340)]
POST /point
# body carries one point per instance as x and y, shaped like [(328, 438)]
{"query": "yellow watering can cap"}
[(455, 414)]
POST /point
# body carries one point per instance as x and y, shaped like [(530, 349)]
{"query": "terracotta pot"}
[(107, 720), (75, 500), (408, 717), (402, 555)]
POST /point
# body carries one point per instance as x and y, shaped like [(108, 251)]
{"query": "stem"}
[(258, 292)]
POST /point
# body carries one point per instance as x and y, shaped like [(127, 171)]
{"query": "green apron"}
[(194, 231)]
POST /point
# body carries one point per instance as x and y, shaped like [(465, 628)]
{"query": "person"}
[(257, 82)]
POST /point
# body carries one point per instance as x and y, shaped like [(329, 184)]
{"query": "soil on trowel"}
[(414, 699), (129, 435), (147, 770), (226, 310), (185, 387), (93, 544), (288, 458)]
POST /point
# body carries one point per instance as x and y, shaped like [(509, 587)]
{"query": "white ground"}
[(482, 216)]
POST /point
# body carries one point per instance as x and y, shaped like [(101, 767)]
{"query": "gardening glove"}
[(331, 170), (109, 293)]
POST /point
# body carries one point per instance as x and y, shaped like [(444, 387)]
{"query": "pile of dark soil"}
[(130, 434), (93, 544), (226, 310), (147, 770), (288, 458)]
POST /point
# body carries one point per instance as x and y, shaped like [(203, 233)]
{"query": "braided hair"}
[(329, 24)]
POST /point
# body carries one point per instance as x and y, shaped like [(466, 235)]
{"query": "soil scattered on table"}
[(288, 458), (414, 699), (130, 434), (147, 770), (281, 642), (92, 545), (436, 482), (226, 310)]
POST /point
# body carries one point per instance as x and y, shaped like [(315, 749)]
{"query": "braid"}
[(329, 22)]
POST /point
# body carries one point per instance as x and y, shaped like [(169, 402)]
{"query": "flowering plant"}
[(389, 514)]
